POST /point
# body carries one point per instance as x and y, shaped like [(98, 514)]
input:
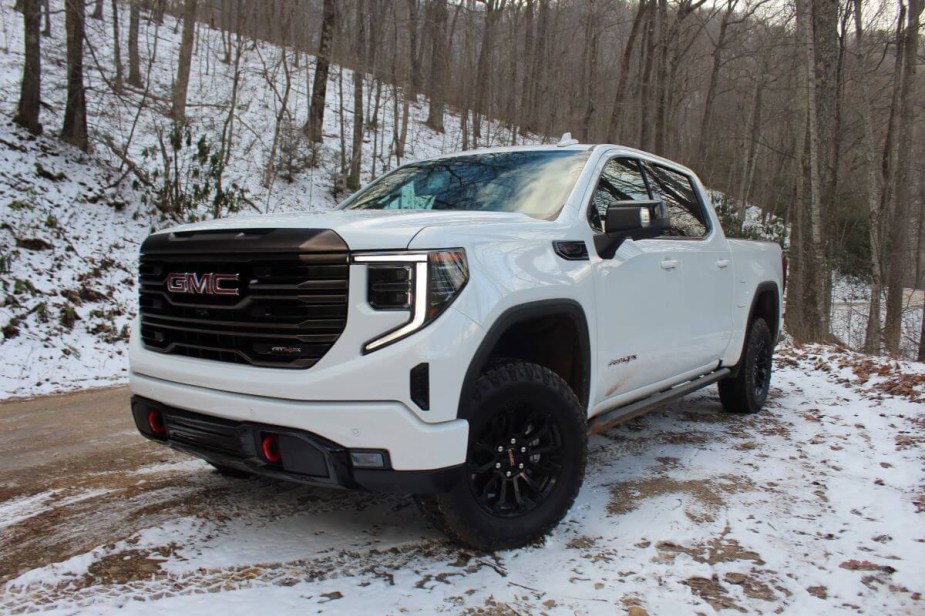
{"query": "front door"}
[(637, 294)]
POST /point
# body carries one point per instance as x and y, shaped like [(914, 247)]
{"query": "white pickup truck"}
[(453, 330)]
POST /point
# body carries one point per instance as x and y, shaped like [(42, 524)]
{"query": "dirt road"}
[(813, 506), (48, 433)]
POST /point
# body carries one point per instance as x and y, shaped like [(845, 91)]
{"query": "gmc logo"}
[(201, 284)]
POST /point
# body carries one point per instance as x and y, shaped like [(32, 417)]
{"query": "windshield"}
[(535, 183)]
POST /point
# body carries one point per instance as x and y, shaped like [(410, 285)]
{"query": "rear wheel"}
[(747, 391), (525, 462)]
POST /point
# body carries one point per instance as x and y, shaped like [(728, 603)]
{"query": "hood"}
[(362, 229)]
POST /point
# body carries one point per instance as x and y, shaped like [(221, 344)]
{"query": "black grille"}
[(289, 310)]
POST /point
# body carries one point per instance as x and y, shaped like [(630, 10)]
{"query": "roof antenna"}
[(566, 140)]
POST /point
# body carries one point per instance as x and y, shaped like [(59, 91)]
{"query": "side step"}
[(622, 414)]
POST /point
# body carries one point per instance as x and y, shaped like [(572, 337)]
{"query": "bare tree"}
[(438, 66), (315, 124), (413, 51), (898, 255), (806, 315), (74, 130), (134, 64), (30, 94), (46, 5), (615, 127), (356, 154), (181, 83), (116, 45)]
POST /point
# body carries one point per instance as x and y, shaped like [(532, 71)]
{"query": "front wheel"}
[(528, 444), (747, 391)]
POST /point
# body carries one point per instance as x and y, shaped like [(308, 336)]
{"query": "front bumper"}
[(412, 444), (304, 457)]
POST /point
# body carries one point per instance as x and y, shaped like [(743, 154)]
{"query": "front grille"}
[(289, 310)]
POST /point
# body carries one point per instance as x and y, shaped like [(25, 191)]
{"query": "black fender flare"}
[(519, 314), (762, 288)]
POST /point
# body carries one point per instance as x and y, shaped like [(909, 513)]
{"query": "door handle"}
[(722, 263), (670, 264)]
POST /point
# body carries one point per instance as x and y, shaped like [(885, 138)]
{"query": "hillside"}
[(71, 225)]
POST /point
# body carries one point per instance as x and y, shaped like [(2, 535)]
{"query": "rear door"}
[(700, 254)]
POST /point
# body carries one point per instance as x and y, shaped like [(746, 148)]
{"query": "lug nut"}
[(500, 448), (508, 473), (513, 441), (523, 450), (497, 465), (520, 466)]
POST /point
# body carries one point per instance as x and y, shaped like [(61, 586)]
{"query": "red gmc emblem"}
[(201, 284)]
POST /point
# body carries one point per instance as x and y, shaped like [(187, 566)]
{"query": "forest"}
[(810, 110)]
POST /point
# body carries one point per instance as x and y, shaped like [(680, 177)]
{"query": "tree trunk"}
[(134, 63), (527, 86), (46, 4), (706, 123), (116, 45), (827, 53), (661, 79), (356, 153), (615, 127), (751, 148), (646, 91), (30, 94), (899, 257), (415, 59), (538, 75), (315, 125), (181, 85), (921, 355), (74, 130), (872, 330), (98, 10), (590, 70), (438, 67), (805, 308)]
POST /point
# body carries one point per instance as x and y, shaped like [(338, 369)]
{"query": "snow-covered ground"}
[(71, 225), (812, 506)]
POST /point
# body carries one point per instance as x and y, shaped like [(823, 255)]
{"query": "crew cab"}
[(454, 330)]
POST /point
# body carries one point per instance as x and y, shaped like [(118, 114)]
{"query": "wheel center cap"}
[(510, 457)]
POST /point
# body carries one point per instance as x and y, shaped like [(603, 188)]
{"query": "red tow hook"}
[(156, 423), (269, 446)]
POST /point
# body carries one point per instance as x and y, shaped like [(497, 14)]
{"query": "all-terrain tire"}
[(747, 391), (525, 421)]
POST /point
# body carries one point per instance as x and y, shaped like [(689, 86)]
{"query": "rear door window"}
[(688, 218)]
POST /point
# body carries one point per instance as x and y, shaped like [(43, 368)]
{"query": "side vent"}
[(420, 386), (571, 250)]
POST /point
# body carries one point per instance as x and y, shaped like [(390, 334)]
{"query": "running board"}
[(622, 414)]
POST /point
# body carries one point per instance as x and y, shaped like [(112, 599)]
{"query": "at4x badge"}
[(202, 284)]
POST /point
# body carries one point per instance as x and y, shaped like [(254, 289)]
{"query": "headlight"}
[(423, 282)]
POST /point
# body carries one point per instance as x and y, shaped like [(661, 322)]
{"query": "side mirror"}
[(637, 219)]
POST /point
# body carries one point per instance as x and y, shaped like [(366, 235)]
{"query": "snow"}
[(812, 506)]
